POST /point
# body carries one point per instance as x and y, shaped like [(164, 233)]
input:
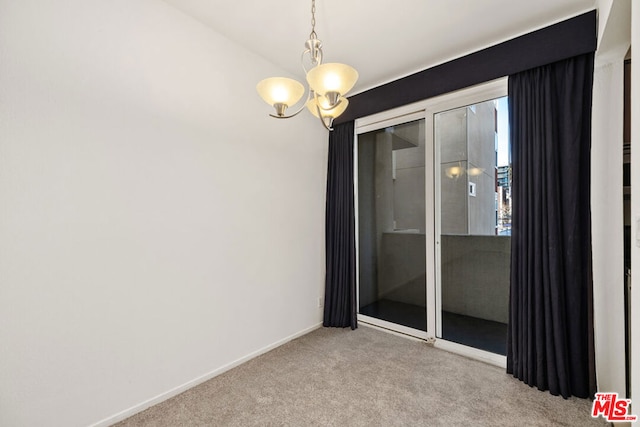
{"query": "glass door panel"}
[(392, 225), (473, 224)]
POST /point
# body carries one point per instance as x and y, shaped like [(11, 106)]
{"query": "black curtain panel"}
[(340, 282), (550, 340)]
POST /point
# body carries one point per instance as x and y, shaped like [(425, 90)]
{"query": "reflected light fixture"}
[(454, 172), (327, 84), (475, 171)]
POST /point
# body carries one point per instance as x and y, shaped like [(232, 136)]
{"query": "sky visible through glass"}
[(502, 105)]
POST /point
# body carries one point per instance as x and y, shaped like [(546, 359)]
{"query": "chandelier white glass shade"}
[(332, 78), (327, 85), (280, 92)]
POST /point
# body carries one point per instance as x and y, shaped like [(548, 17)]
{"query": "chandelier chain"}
[(313, 34)]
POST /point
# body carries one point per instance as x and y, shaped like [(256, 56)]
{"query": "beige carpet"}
[(334, 377)]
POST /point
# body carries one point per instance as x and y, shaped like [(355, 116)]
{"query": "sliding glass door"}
[(433, 220), (392, 225), (473, 205)]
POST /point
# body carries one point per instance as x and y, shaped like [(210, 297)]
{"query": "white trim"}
[(196, 381), (433, 244), (471, 352), (406, 114), (395, 327), (390, 331), (356, 214), (464, 97)]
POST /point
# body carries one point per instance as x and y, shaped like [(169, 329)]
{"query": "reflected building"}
[(468, 156), (503, 199)]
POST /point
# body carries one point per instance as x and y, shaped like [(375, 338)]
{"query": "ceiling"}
[(381, 41)]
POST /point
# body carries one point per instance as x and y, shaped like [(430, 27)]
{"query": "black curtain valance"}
[(566, 39)]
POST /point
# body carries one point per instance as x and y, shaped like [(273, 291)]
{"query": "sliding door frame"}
[(465, 97), (426, 110), (367, 124)]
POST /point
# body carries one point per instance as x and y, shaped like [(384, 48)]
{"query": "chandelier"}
[(327, 84)]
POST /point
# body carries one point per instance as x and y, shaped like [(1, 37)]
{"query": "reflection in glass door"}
[(473, 224), (391, 224), (433, 196)]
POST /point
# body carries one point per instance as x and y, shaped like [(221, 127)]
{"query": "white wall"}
[(606, 196), (606, 209), (604, 8), (155, 224), (635, 204)]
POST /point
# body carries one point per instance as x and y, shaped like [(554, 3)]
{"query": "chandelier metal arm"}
[(314, 50), (328, 127), (275, 116)]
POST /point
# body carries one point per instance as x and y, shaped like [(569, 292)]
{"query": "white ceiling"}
[(382, 39)]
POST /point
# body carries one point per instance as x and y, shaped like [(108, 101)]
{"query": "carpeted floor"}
[(366, 377)]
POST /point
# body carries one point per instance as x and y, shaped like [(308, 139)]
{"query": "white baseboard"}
[(190, 384)]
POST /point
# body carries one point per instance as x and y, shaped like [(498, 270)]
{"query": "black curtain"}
[(340, 282), (550, 340)]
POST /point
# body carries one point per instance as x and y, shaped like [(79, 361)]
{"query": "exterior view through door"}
[(433, 196)]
